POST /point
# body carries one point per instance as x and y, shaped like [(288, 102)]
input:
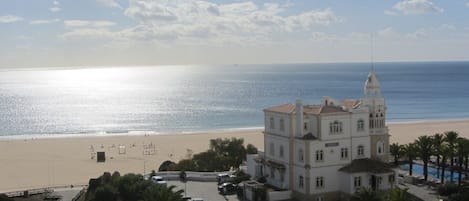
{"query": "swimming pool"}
[(432, 172)]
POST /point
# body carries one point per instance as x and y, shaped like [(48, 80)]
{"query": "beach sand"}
[(34, 163)]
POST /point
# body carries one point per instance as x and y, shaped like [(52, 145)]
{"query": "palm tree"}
[(396, 151), (438, 140), (424, 146), (451, 137), (445, 152), (410, 153), (365, 194), (462, 150)]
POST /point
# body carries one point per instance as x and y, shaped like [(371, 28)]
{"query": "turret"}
[(299, 118)]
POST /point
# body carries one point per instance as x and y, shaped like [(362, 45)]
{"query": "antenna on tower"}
[(371, 54)]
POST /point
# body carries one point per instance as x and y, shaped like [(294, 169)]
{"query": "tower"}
[(379, 136)]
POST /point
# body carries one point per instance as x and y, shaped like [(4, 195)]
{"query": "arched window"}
[(380, 147), (281, 151), (360, 125), (272, 149), (360, 150)]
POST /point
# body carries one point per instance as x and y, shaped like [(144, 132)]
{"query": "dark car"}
[(227, 188)]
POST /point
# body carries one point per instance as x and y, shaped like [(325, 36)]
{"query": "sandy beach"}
[(34, 163)]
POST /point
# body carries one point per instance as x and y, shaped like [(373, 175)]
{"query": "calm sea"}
[(165, 99)]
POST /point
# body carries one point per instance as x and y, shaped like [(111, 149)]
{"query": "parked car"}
[(197, 199), (159, 180), (224, 178), (227, 188)]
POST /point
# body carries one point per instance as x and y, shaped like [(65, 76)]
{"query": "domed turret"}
[(372, 87)]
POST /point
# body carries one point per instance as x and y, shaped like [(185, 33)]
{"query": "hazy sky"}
[(153, 32)]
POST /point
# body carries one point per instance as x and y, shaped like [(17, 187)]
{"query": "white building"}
[(327, 151)]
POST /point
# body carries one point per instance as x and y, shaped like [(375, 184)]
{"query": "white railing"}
[(192, 176)]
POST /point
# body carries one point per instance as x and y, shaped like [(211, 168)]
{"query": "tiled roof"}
[(307, 109), (286, 108), (351, 103), (367, 165)]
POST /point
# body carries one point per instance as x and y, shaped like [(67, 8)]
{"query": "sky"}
[(65, 33)]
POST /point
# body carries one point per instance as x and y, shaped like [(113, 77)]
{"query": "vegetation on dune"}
[(222, 155), (130, 187)]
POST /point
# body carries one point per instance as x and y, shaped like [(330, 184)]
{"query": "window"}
[(357, 182), (319, 155), (272, 123), (272, 173), (360, 150), (360, 125), (282, 176), (301, 158), (305, 126), (380, 146), (380, 180), (272, 149), (301, 182), (282, 125), (335, 127), (344, 153), (319, 182), (319, 198), (281, 151), (391, 178)]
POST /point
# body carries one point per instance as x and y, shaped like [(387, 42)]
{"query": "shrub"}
[(447, 189)]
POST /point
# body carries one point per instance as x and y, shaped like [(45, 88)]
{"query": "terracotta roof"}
[(307, 109), (351, 103), (367, 165), (286, 108)]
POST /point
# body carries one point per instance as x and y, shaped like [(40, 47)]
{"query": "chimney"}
[(299, 118)]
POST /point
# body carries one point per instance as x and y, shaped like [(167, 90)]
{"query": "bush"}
[(3, 197), (241, 176), (447, 189)]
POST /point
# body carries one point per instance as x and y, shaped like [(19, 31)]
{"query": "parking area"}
[(206, 190)]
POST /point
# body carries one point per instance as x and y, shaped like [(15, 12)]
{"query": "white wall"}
[(331, 179), (277, 116)]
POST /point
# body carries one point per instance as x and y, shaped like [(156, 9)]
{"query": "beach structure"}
[(327, 151)]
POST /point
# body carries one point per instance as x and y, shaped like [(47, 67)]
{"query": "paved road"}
[(206, 190)]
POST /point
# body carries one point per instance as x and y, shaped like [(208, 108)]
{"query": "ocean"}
[(186, 99)]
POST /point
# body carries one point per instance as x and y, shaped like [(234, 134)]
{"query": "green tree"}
[(395, 150), (365, 194), (398, 194), (210, 161), (462, 150), (158, 193), (231, 150), (186, 165), (424, 145), (105, 193), (451, 137), (445, 152), (410, 151), (167, 166), (251, 149), (438, 140)]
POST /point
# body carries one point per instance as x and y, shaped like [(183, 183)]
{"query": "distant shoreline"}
[(214, 131)]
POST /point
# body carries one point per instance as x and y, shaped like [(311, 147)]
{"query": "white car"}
[(159, 180)]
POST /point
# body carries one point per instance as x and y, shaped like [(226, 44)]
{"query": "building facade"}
[(329, 150)]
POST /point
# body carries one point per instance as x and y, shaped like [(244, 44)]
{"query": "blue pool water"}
[(432, 172)]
